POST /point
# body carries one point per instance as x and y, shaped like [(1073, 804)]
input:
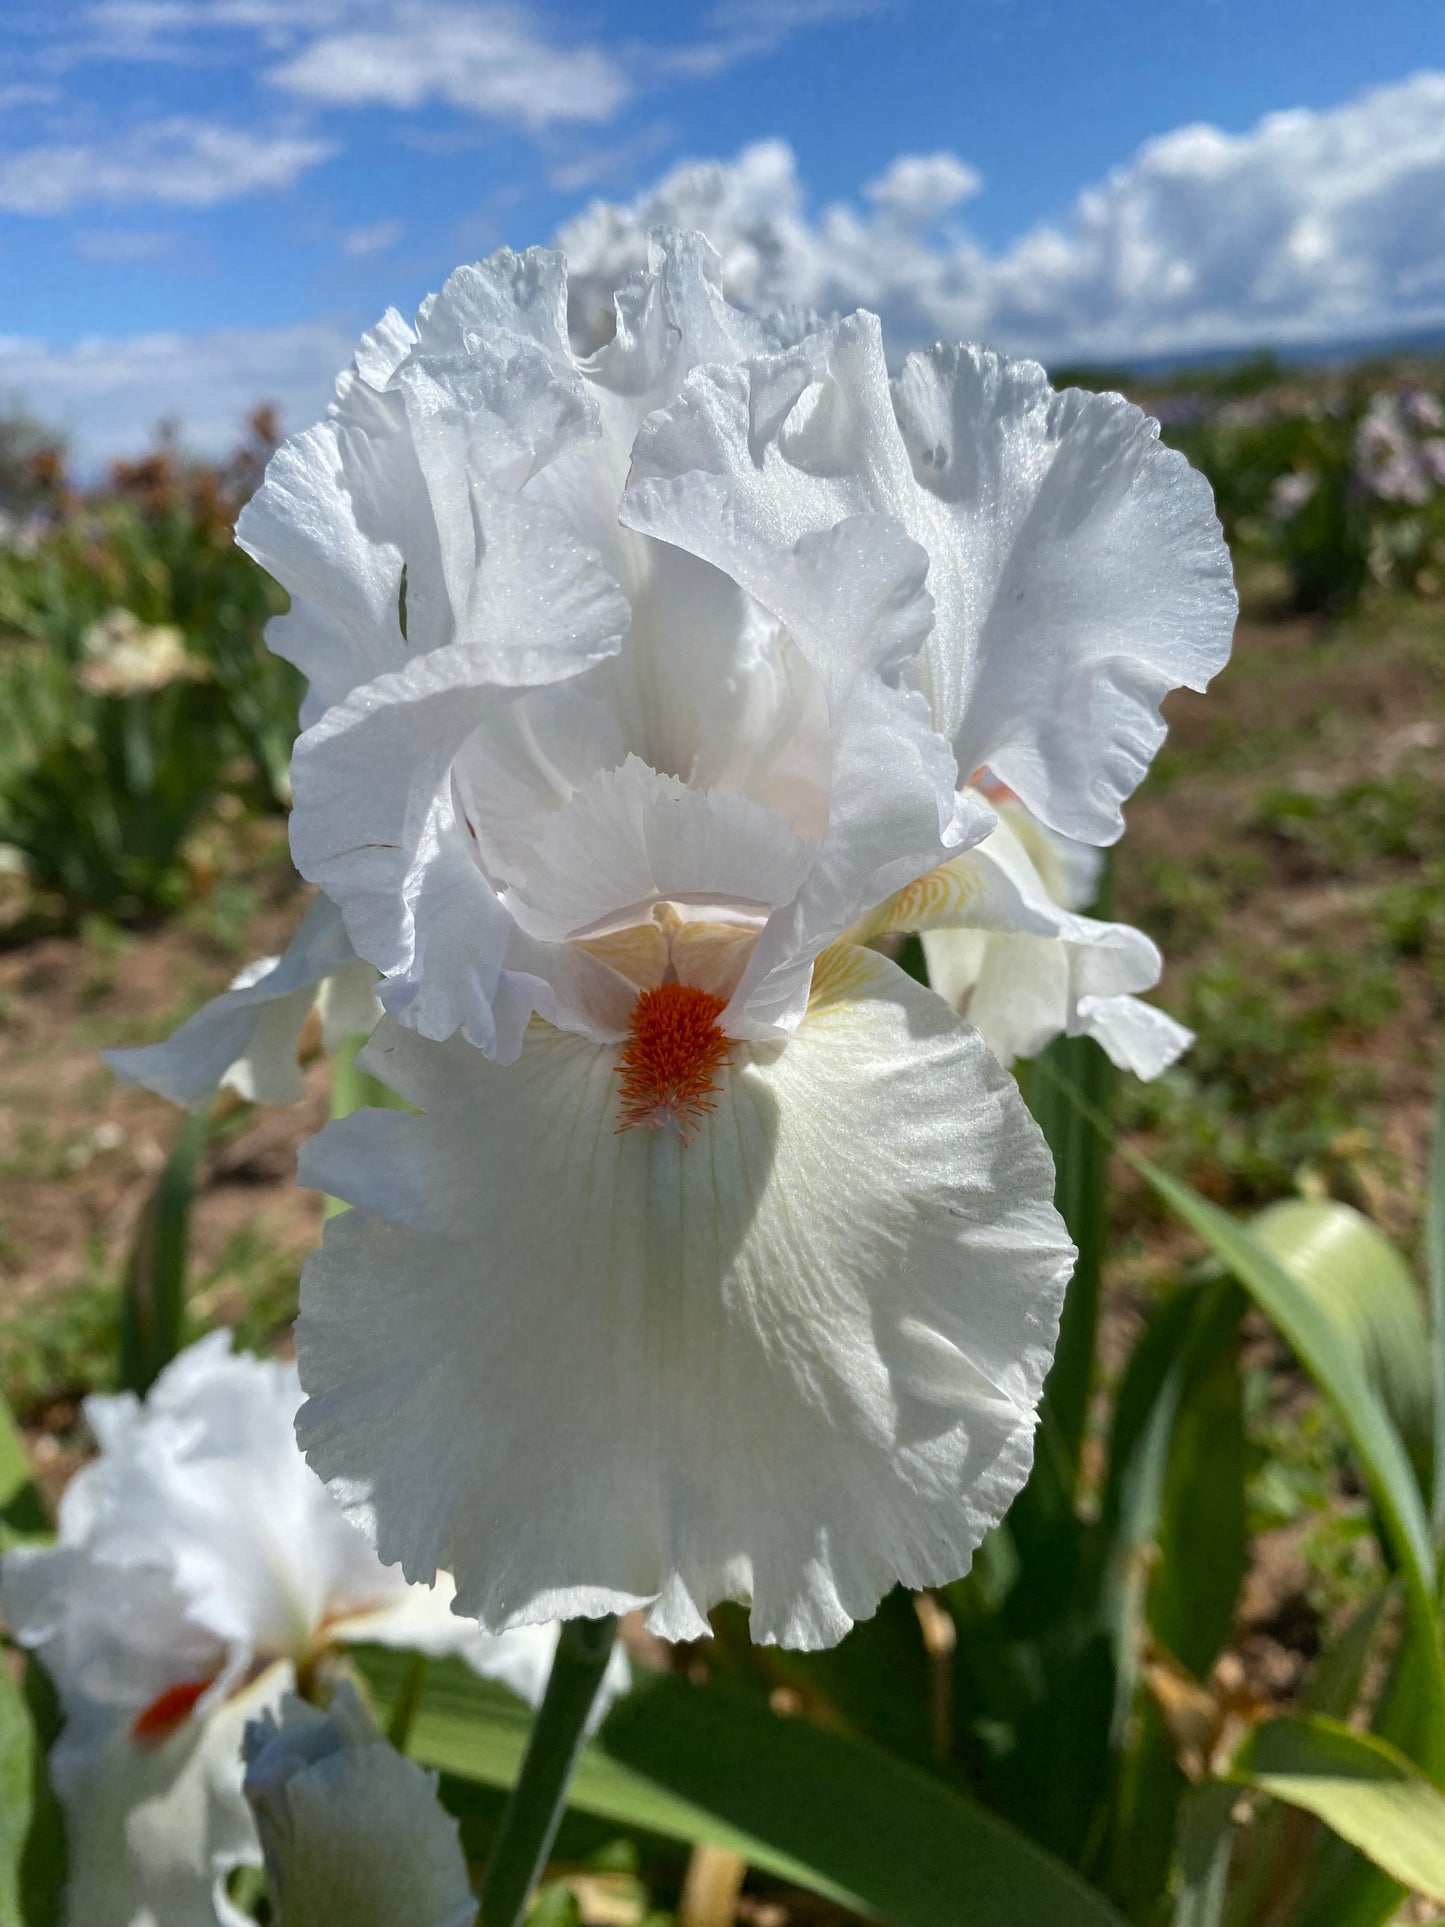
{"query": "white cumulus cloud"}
[(920, 188), (774, 255), (491, 60), (1311, 225), (499, 59), (182, 162)]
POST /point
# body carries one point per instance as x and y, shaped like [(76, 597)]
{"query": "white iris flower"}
[(202, 1571), (721, 1260)]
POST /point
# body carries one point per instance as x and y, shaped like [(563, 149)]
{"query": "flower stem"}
[(398, 1729), (533, 1813)]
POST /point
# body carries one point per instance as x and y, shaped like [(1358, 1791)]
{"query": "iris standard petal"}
[(1081, 574), (1077, 569)]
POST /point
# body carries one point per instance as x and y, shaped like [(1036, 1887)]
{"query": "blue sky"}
[(277, 171)]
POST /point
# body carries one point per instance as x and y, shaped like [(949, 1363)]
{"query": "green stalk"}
[(534, 1811), (1435, 1254), (153, 1303), (398, 1729)]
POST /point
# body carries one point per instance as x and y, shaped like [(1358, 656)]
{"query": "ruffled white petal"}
[(1081, 575), (751, 674), (1076, 566), (795, 1361), (200, 1543), (703, 690), (1137, 1036), (347, 1004), (353, 1833), (1020, 992), (306, 527), (421, 1619), (343, 522), (490, 385), (153, 1827), (203, 1480), (376, 817), (247, 1038), (671, 317), (376, 804), (1069, 871), (114, 1636), (379, 817)]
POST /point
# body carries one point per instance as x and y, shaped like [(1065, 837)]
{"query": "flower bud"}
[(352, 1832)]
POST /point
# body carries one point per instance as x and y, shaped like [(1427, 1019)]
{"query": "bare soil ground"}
[(80, 1152), (1269, 802)]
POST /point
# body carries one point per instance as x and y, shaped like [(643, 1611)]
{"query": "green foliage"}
[(1412, 918), (1301, 1475), (97, 792), (153, 1303), (32, 1858), (1435, 1271), (1331, 1354), (556, 1907), (22, 1511), (1330, 479), (833, 1814), (32, 1852), (1364, 1788), (112, 764), (1080, 1157), (64, 1345), (1261, 1096), (68, 1343), (1376, 819), (1358, 1276)]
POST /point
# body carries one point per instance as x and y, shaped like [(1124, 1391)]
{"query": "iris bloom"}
[(123, 656), (202, 1571), (721, 1260)]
